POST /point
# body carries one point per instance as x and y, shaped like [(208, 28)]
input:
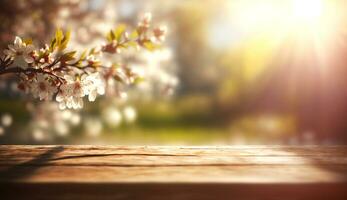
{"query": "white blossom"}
[(20, 50), (42, 88), (159, 33), (146, 20), (93, 85), (71, 94)]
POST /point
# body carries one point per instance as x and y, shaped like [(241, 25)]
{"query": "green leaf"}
[(91, 51), (134, 35), (111, 36), (59, 36), (65, 40), (83, 55), (119, 31), (52, 45), (139, 79), (132, 44), (60, 40), (68, 56), (150, 46)]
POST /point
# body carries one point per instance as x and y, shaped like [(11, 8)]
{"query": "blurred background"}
[(232, 72)]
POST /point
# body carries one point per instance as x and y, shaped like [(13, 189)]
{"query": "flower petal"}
[(18, 41), (62, 106), (9, 52), (59, 97), (29, 48), (92, 95), (11, 47), (28, 58)]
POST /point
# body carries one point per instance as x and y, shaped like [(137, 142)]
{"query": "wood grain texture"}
[(109, 172)]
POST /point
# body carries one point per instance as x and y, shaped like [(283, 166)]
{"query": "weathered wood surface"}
[(108, 172)]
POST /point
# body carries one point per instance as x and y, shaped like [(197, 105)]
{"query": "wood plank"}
[(116, 172)]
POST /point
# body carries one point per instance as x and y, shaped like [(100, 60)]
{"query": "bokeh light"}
[(229, 72)]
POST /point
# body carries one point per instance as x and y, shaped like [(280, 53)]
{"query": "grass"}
[(158, 136)]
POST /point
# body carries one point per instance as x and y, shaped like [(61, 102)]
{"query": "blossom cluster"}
[(58, 73)]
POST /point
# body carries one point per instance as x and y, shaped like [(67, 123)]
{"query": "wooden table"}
[(115, 172)]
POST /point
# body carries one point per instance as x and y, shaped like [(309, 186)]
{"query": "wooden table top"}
[(131, 172)]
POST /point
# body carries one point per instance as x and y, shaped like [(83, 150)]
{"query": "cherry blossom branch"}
[(54, 72)]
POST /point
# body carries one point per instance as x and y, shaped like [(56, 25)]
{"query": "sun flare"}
[(304, 27), (308, 10)]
